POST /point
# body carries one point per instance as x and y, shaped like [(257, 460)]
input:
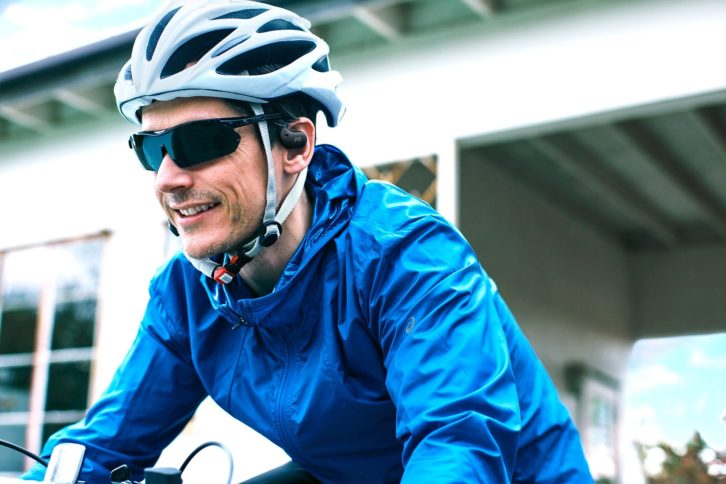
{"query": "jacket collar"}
[(334, 185)]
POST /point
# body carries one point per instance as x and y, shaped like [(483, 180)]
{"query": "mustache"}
[(185, 196)]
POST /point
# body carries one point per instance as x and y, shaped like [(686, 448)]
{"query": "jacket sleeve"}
[(153, 394), (448, 365)]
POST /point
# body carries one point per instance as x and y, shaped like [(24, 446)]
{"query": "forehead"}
[(166, 114)]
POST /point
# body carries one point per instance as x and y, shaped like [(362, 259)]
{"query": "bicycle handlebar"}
[(66, 461)]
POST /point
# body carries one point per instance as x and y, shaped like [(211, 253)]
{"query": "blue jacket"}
[(384, 354)]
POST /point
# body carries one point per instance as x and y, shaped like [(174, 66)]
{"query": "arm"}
[(449, 372), (153, 394), (549, 444)]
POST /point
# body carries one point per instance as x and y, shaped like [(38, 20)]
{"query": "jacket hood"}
[(334, 186)]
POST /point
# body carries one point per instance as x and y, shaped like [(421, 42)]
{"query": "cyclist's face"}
[(217, 204)]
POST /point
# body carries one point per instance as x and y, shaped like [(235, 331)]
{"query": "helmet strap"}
[(271, 230)]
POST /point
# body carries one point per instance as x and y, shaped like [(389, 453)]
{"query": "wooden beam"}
[(84, 103), (483, 8), (332, 10), (23, 118), (652, 151), (389, 27), (709, 131)]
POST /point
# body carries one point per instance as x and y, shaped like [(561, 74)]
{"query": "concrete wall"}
[(679, 290)]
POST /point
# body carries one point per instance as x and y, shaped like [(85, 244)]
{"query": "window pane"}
[(12, 460), (77, 269), (74, 324), (17, 330), (22, 275), (15, 388), (68, 386), (20, 285)]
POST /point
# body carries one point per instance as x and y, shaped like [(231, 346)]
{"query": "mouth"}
[(192, 213)]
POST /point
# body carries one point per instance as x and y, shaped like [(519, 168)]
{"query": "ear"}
[(296, 159)]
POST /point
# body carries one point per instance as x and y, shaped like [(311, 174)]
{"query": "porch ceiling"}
[(653, 180)]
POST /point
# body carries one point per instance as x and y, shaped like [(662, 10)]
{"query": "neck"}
[(262, 273)]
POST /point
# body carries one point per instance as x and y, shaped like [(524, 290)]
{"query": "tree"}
[(698, 464)]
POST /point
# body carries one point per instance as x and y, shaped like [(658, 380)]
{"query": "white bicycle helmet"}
[(208, 49), (214, 48)]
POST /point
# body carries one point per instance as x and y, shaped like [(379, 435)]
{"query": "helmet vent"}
[(193, 50), (322, 65), (278, 24), (243, 14), (156, 34), (127, 73), (280, 53)]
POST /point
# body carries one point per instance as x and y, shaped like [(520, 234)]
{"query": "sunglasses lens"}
[(142, 146), (202, 141), (188, 145)]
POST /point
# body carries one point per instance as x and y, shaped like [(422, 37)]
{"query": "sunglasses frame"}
[(165, 140)]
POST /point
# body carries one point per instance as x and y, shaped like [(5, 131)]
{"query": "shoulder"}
[(394, 237), (377, 194), (389, 218)]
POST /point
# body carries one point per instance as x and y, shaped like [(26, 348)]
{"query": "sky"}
[(675, 386), (31, 30)]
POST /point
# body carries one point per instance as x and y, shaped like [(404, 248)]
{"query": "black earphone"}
[(292, 139)]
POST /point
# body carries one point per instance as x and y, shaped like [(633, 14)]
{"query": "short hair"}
[(293, 106)]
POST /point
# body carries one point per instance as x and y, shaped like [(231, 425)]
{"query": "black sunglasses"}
[(192, 143)]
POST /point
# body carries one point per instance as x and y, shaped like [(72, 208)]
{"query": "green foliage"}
[(697, 464)]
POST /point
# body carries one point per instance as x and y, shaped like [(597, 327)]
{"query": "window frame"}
[(43, 356)]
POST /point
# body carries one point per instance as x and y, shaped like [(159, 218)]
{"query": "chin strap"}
[(271, 228)]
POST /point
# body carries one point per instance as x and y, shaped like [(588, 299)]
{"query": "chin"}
[(202, 249)]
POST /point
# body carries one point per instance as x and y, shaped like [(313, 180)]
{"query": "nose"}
[(170, 177)]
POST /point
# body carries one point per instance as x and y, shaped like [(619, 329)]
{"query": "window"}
[(596, 417), (48, 305)]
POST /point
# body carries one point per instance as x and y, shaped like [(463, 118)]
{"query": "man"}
[(343, 319)]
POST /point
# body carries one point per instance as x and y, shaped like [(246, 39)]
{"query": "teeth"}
[(195, 210)]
